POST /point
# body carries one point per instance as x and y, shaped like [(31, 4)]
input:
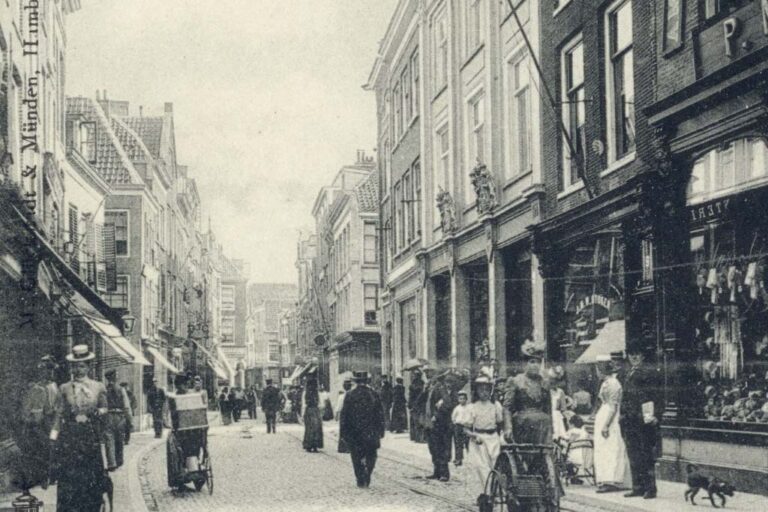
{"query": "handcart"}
[(187, 445), (523, 480)]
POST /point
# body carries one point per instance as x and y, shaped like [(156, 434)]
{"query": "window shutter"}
[(110, 261), (74, 237)]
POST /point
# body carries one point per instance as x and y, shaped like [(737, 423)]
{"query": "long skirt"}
[(399, 420), (482, 457), (534, 426), (226, 412), (610, 455), (81, 474), (313, 429)]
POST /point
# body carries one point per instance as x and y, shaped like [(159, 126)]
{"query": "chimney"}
[(97, 95), (104, 94), (168, 107), (141, 111)]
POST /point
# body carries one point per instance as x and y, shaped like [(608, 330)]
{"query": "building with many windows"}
[(463, 181), (339, 307)]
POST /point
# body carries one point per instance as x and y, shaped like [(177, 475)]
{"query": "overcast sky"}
[(267, 100)]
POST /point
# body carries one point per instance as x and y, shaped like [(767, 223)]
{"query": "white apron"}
[(610, 455), (482, 457)]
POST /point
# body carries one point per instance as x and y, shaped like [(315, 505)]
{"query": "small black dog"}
[(713, 486)]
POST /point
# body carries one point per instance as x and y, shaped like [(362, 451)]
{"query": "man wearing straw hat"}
[(77, 430)]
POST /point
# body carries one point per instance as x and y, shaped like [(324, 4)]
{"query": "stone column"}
[(497, 325), (459, 319), (429, 341)]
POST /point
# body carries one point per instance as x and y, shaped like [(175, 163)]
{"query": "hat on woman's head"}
[(483, 380), (80, 353)]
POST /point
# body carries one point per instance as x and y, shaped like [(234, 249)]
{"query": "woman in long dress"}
[(224, 407), (399, 420), (610, 454), (528, 413), (77, 427), (313, 423)]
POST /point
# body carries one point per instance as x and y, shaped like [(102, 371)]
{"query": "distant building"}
[(233, 304), (345, 275), (266, 304)]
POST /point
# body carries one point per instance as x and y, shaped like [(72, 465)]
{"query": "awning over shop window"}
[(108, 332), (295, 373), (217, 369), (609, 339), (224, 362), (111, 335), (161, 360)]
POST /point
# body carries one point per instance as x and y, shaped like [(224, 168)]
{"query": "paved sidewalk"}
[(670, 497)]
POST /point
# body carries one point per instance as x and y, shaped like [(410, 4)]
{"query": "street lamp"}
[(128, 323)]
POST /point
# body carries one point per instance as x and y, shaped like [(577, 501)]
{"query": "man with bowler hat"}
[(271, 403), (439, 406), (641, 411), (362, 427)]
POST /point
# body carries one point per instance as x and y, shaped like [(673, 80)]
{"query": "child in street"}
[(580, 455), (461, 418)]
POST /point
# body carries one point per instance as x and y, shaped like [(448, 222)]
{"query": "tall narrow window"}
[(621, 81), (87, 141), (371, 292), (673, 24), (398, 118), (399, 221), (473, 36), (519, 117), (415, 74), (441, 166), (119, 219), (573, 109), (405, 80), (118, 298), (408, 206), (440, 28), (416, 173), (476, 132), (370, 249)]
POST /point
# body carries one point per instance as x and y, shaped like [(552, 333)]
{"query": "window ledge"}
[(471, 56), (619, 164), (571, 189), (562, 6), (516, 178)]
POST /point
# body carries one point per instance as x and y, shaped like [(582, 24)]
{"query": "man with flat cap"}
[(362, 427), (271, 402)]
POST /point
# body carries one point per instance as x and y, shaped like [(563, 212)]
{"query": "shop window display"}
[(593, 309), (729, 255)]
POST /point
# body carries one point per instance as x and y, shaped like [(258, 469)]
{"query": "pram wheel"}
[(209, 477)]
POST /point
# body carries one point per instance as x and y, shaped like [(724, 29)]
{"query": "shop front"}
[(720, 398)]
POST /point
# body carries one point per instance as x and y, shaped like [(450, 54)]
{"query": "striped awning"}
[(161, 360)]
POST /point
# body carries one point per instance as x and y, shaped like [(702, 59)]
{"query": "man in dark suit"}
[(440, 404), (362, 427), (271, 402), (641, 411)]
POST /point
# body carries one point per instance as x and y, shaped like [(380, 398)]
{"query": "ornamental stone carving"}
[(485, 188), (447, 210)]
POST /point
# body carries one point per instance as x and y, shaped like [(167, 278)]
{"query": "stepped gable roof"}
[(111, 162), (367, 193), (150, 129)]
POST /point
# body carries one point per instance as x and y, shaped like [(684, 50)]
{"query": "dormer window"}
[(86, 141)]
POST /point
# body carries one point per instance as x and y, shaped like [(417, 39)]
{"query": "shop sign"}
[(742, 33), (710, 211), (594, 300)]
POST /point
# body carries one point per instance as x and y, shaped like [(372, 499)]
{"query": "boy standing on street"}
[(461, 417)]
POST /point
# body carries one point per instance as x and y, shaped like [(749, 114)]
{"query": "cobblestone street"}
[(273, 473)]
